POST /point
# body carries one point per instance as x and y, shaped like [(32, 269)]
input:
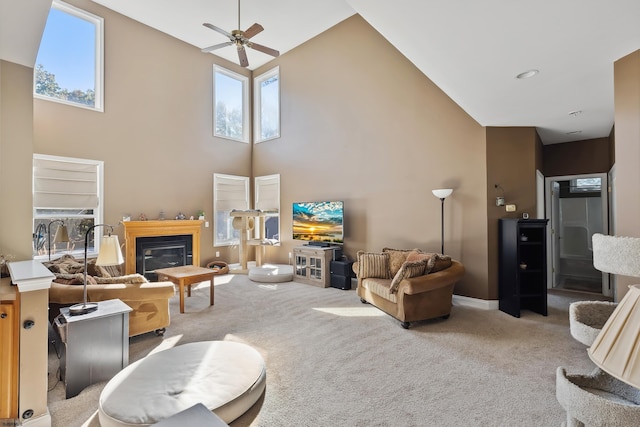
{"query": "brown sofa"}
[(408, 284), (149, 301)]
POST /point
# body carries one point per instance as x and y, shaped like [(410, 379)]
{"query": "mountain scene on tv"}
[(318, 221)]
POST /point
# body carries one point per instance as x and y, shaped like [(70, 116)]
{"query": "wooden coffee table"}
[(187, 275)]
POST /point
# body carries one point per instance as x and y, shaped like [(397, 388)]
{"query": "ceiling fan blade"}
[(263, 49), (216, 46), (220, 30), (242, 55), (253, 30)]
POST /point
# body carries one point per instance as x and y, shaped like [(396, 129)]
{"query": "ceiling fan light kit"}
[(240, 39)]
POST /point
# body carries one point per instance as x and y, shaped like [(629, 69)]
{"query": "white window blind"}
[(65, 183), (267, 190), (230, 192)]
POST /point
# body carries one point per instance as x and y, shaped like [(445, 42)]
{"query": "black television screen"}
[(318, 222)]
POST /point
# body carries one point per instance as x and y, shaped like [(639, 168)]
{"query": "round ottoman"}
[(271, 273), (226, 377)]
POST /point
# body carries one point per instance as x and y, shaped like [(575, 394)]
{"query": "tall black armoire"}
[(522, 255)]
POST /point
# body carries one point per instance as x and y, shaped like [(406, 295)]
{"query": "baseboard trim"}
[(475, 302)]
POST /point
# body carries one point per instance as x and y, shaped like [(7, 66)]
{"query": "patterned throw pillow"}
[(439, 262), (373, 264), (408, 270), (397, 257)]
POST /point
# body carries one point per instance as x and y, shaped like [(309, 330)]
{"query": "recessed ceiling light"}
[(575, 132), (527, 74)]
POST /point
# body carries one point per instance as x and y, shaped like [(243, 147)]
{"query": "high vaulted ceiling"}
[(471, 49)]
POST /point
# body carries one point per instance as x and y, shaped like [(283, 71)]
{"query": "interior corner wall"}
[(155, 135), (512, 158), (360, 123), (16, 147), (627, 149)]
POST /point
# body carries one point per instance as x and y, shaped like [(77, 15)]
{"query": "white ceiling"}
[(471, 49)]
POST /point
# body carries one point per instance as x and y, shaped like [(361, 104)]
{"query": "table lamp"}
[(62, 235), (109, 254)]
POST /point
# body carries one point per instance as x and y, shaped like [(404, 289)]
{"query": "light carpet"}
[(333, 361)]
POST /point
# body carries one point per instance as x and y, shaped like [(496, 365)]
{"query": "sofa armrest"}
[(431, 281)]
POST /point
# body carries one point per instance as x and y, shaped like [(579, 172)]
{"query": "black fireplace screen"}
[(162, 252)]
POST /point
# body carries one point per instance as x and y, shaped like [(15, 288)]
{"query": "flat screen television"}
[(319, 222)]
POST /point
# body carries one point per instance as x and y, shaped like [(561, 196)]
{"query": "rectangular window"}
[(230, 105), (229, 192), (266, 91), (69, 65), (267, 199), (70, 190)]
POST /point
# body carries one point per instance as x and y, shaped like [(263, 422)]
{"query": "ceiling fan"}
[(240, 39)]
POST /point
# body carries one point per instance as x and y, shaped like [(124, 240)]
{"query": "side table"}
[(96, 344), (187, 275)]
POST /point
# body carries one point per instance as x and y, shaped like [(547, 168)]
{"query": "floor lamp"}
[(109, 254), (442, 193)]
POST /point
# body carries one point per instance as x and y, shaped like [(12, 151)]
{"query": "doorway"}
[(577, 207)]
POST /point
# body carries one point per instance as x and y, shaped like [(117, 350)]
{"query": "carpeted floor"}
[(333, 361)]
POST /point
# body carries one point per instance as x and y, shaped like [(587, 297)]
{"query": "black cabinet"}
[(341, 274), (522, 255)]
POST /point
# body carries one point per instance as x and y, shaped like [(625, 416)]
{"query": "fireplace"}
[(162, 252), (134, 231)]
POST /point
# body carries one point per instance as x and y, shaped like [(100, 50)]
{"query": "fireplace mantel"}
[(135, 229)]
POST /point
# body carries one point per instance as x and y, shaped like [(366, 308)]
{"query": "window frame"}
[(98, 212), (232, 236), (98, 23), (257, 105), (244, 80)]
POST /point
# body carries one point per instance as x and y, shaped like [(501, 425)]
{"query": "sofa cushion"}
[(397, 257), (373, 264), (380, 287), (408, 270)]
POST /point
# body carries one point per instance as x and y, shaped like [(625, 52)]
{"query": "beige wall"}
[(16, 148), (361, 124), (155, 135), (627, 152), (512, 157)]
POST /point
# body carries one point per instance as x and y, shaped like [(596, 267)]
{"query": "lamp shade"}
[(616, 349), (62, 234), (110, 253), (442, 193)]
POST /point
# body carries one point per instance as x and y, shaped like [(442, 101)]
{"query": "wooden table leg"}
[(211, 291), (181, 286)]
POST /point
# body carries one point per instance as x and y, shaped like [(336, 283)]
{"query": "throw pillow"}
[(417, 256), (397, 257), (373, 264), (73, 279), (440, 262), (129, 279), (408, 270)]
